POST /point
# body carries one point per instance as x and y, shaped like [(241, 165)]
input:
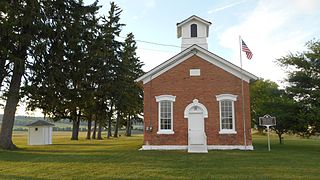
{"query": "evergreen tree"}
[(129, 100), (19, 26), (107, 62), (60, 77)]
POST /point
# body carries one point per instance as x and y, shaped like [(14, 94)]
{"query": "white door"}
[(196, 128)]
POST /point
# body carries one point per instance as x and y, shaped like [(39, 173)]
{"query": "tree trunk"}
[(94, 130), (89, 129), (2, 70), (116, 128), (280, 138), (99, 137), (110, 122), (109, 127), (11, 105), (75, 127), (128, 128)]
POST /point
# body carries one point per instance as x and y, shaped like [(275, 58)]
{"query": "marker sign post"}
[(267, 121)]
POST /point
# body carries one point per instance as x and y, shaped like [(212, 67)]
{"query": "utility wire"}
[(154, 43)]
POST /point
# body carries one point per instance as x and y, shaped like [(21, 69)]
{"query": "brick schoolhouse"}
[(196, 100)]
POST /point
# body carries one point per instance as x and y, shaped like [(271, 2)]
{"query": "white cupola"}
[(193, 30)]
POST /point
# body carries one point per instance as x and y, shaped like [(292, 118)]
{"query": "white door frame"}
[(200, 108)]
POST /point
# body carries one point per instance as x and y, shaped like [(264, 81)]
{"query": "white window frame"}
[(232, 98), (160, 99), (195, 72)]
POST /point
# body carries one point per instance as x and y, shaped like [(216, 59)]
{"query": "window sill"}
[(165, 132), (227, 132)]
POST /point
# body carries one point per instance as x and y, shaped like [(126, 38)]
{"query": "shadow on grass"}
[(5, 176)]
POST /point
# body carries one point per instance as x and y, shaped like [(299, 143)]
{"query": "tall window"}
[(165, 114), (194, 30), (227, 115)]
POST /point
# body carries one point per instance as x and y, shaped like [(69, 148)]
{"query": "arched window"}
[(194, 30)]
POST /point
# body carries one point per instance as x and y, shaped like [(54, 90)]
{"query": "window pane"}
[(226, 114), (194, 30), (165, 115)]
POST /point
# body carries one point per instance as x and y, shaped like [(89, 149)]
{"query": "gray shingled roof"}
[(40, 123)]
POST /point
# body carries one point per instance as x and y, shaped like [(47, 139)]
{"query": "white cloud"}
[(307, 6), (149, 3), (145, 8), (268, 31), (225, 7)]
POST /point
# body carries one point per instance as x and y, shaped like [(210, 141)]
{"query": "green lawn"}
[(120, 159)]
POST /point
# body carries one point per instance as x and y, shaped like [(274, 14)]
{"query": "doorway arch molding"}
[(195, 103)]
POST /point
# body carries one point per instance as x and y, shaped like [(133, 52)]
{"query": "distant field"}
[(121, 159)]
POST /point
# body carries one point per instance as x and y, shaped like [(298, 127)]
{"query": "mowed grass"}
[(120, 159)]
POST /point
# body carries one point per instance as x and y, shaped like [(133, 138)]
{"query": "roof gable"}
[(205, 55), (40, 123), (191, 18)]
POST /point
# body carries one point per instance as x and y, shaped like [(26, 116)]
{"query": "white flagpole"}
[(242, 94)]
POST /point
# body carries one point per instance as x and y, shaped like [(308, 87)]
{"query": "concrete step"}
[(197, 148)]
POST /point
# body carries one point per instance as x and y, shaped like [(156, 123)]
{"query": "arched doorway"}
[(197, 139)]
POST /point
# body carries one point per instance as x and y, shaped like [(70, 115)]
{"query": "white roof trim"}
[(191, 18), (202, 53)]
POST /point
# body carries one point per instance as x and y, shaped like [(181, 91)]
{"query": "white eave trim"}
[(195, 18), (202, 53), (165, 66)]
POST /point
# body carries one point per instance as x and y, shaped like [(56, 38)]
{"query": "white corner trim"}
[(195, 102), (165, 97), (231, 97), (165, 132), (163, 147), (230, 147), (227, 132), (185, 147)]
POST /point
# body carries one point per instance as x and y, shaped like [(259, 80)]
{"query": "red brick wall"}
[(212, 81)]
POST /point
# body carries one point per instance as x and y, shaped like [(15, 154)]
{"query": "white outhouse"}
[(40, 133)]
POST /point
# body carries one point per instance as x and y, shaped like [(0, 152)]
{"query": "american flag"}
[(247, 50)]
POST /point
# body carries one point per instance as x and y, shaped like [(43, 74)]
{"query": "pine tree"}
[(107, 62), (60, 77), (20, 25), (130, 99)]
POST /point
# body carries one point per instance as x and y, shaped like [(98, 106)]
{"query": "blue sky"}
[(271, 28)]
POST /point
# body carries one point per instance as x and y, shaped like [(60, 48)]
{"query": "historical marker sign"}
[(267, 121)]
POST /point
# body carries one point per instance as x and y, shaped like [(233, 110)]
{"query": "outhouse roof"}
[(40, 123)]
